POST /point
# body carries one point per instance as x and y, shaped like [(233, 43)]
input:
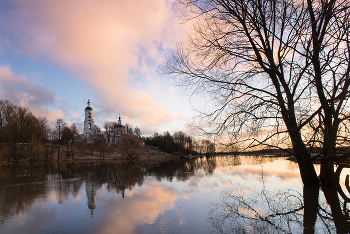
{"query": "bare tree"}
[(128, 128), (98, 140), (108, 126), (277, 73), (137, 131), (21, 133), (130, 145), (209, 147), (69, 136), (59, 128)]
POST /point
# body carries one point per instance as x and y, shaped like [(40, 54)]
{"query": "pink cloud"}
[(101, 42)]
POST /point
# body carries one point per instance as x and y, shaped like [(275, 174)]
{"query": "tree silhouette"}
[(276, 74)]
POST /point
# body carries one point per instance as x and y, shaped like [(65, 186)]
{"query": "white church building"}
[(113, 130), (89, 120)]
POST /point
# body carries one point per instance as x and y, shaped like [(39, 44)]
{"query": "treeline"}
[(21, 133), (24, 136), (180, 144)]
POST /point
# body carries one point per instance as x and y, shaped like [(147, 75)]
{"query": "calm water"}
[(204, 195)]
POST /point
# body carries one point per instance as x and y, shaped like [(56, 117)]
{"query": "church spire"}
[(119, 120)]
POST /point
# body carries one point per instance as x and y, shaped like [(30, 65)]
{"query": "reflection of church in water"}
[(91, 191), (114, 183), (113, 132)]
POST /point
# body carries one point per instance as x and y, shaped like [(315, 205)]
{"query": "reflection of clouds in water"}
[(273, 172), (186, 195), (143, 207), (228, 183), (195, 182), (150, 204), (245, 172), (276, 173)]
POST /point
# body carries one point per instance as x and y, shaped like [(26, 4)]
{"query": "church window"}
[(89, 115), (90, 125)]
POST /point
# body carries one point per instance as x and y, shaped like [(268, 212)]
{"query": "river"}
[(224, 194)]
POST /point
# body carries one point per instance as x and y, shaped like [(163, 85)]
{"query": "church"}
[(89, 120), (113, 130)]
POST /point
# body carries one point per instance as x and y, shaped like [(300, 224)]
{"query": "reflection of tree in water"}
[(22, 185), (182, 169), (242, 210), (124, 176), (236, 160), (203, 166), (211, 163)]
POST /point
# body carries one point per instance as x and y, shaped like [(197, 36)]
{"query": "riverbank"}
[(151, 156)]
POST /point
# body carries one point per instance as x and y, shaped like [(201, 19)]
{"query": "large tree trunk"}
[(307, 170), (327, 175), (311, 206)]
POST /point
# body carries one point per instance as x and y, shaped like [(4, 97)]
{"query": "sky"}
[(55, 55)]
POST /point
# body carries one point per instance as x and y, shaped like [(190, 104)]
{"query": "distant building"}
[(113, 130), (89, 120)]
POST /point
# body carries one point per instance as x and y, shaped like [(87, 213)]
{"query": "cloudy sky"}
[(55, 55)]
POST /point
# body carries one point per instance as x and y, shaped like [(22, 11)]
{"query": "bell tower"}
[(89, 119)]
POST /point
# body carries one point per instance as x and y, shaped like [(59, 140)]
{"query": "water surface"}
[(203, 195)]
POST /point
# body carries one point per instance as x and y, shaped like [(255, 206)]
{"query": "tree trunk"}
[(339, 218), (307, 170), (327, 176), (310, 195)]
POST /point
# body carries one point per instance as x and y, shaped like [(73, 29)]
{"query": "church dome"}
[(88, 107)]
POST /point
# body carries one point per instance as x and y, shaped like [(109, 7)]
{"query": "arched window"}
[(89, 115), (90, 125)]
